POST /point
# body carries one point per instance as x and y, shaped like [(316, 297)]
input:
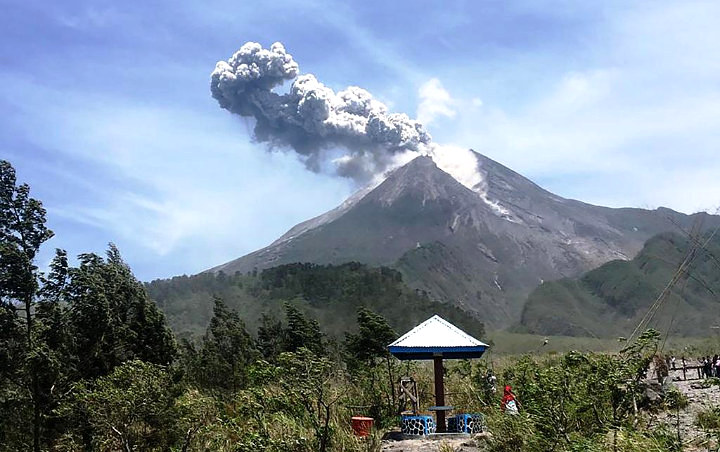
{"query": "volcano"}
[(483, 248)]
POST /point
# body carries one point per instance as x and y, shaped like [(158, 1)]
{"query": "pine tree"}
[(22, 232), (271, 337), (111, 317), (302, 332), (227, 352), (373, 336)]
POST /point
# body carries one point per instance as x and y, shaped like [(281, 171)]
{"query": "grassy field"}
[(507, 343)]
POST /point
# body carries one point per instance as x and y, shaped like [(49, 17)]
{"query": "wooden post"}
[(439, 393)]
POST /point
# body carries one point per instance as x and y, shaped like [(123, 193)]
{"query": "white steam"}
[(460, 163)]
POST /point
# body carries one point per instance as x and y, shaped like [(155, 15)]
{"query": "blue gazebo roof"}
[(436, 337)]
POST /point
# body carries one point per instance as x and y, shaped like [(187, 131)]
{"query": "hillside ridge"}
[(495, 243)]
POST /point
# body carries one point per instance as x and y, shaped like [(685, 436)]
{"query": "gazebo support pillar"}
[(439, 393)]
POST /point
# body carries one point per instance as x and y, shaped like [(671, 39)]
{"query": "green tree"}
[(227, 352), (22, 232), (368, 358), (106, 319), (14, 402), (302, 332), (111, 318), (51, 358), (196, 414), (271, 337), (582, 395), (312, 382), (371, 341)]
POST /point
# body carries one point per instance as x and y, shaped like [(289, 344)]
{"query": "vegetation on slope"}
[(331, 294), (611, 300)]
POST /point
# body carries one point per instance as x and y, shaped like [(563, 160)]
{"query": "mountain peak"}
[(484, 248), (420, 179)]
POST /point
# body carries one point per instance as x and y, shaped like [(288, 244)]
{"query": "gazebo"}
[(437, 339)]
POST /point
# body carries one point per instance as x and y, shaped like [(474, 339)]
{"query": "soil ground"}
[(699, 399), (465, 444)]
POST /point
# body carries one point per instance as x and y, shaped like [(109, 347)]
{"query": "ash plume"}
[(311, 118)]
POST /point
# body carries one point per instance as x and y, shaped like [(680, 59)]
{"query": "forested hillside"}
[(612, 299), (331, 294)]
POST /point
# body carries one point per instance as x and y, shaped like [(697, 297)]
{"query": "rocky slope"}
[(484, 249)]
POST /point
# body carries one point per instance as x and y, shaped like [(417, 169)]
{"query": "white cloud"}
[(435, 102), (637, 124)]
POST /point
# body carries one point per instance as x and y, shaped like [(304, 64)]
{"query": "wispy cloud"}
[(644, 110), (181, 177), (435, 102)]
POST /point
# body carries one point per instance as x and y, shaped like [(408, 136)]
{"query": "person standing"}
[(706, 367)]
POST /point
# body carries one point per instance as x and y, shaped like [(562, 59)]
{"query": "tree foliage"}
[(373, 336), (330, 294), (22, 232), (302, 332), (226, 352), (112, 318), (580, 395), (128, 409)]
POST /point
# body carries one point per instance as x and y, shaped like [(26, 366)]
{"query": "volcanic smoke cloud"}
[(311, 118)]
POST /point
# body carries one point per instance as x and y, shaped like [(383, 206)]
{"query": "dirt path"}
[(427, 445), (454, 443)]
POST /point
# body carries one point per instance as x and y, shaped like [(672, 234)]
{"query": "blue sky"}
[(107, 112)]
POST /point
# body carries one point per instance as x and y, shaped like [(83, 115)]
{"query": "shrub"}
[(708, 419)]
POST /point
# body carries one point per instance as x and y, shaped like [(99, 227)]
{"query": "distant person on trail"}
[(707, 367), (717, 367), (491, 380), (509, 403)]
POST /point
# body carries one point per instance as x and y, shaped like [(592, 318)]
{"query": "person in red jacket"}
[(509, 403)]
